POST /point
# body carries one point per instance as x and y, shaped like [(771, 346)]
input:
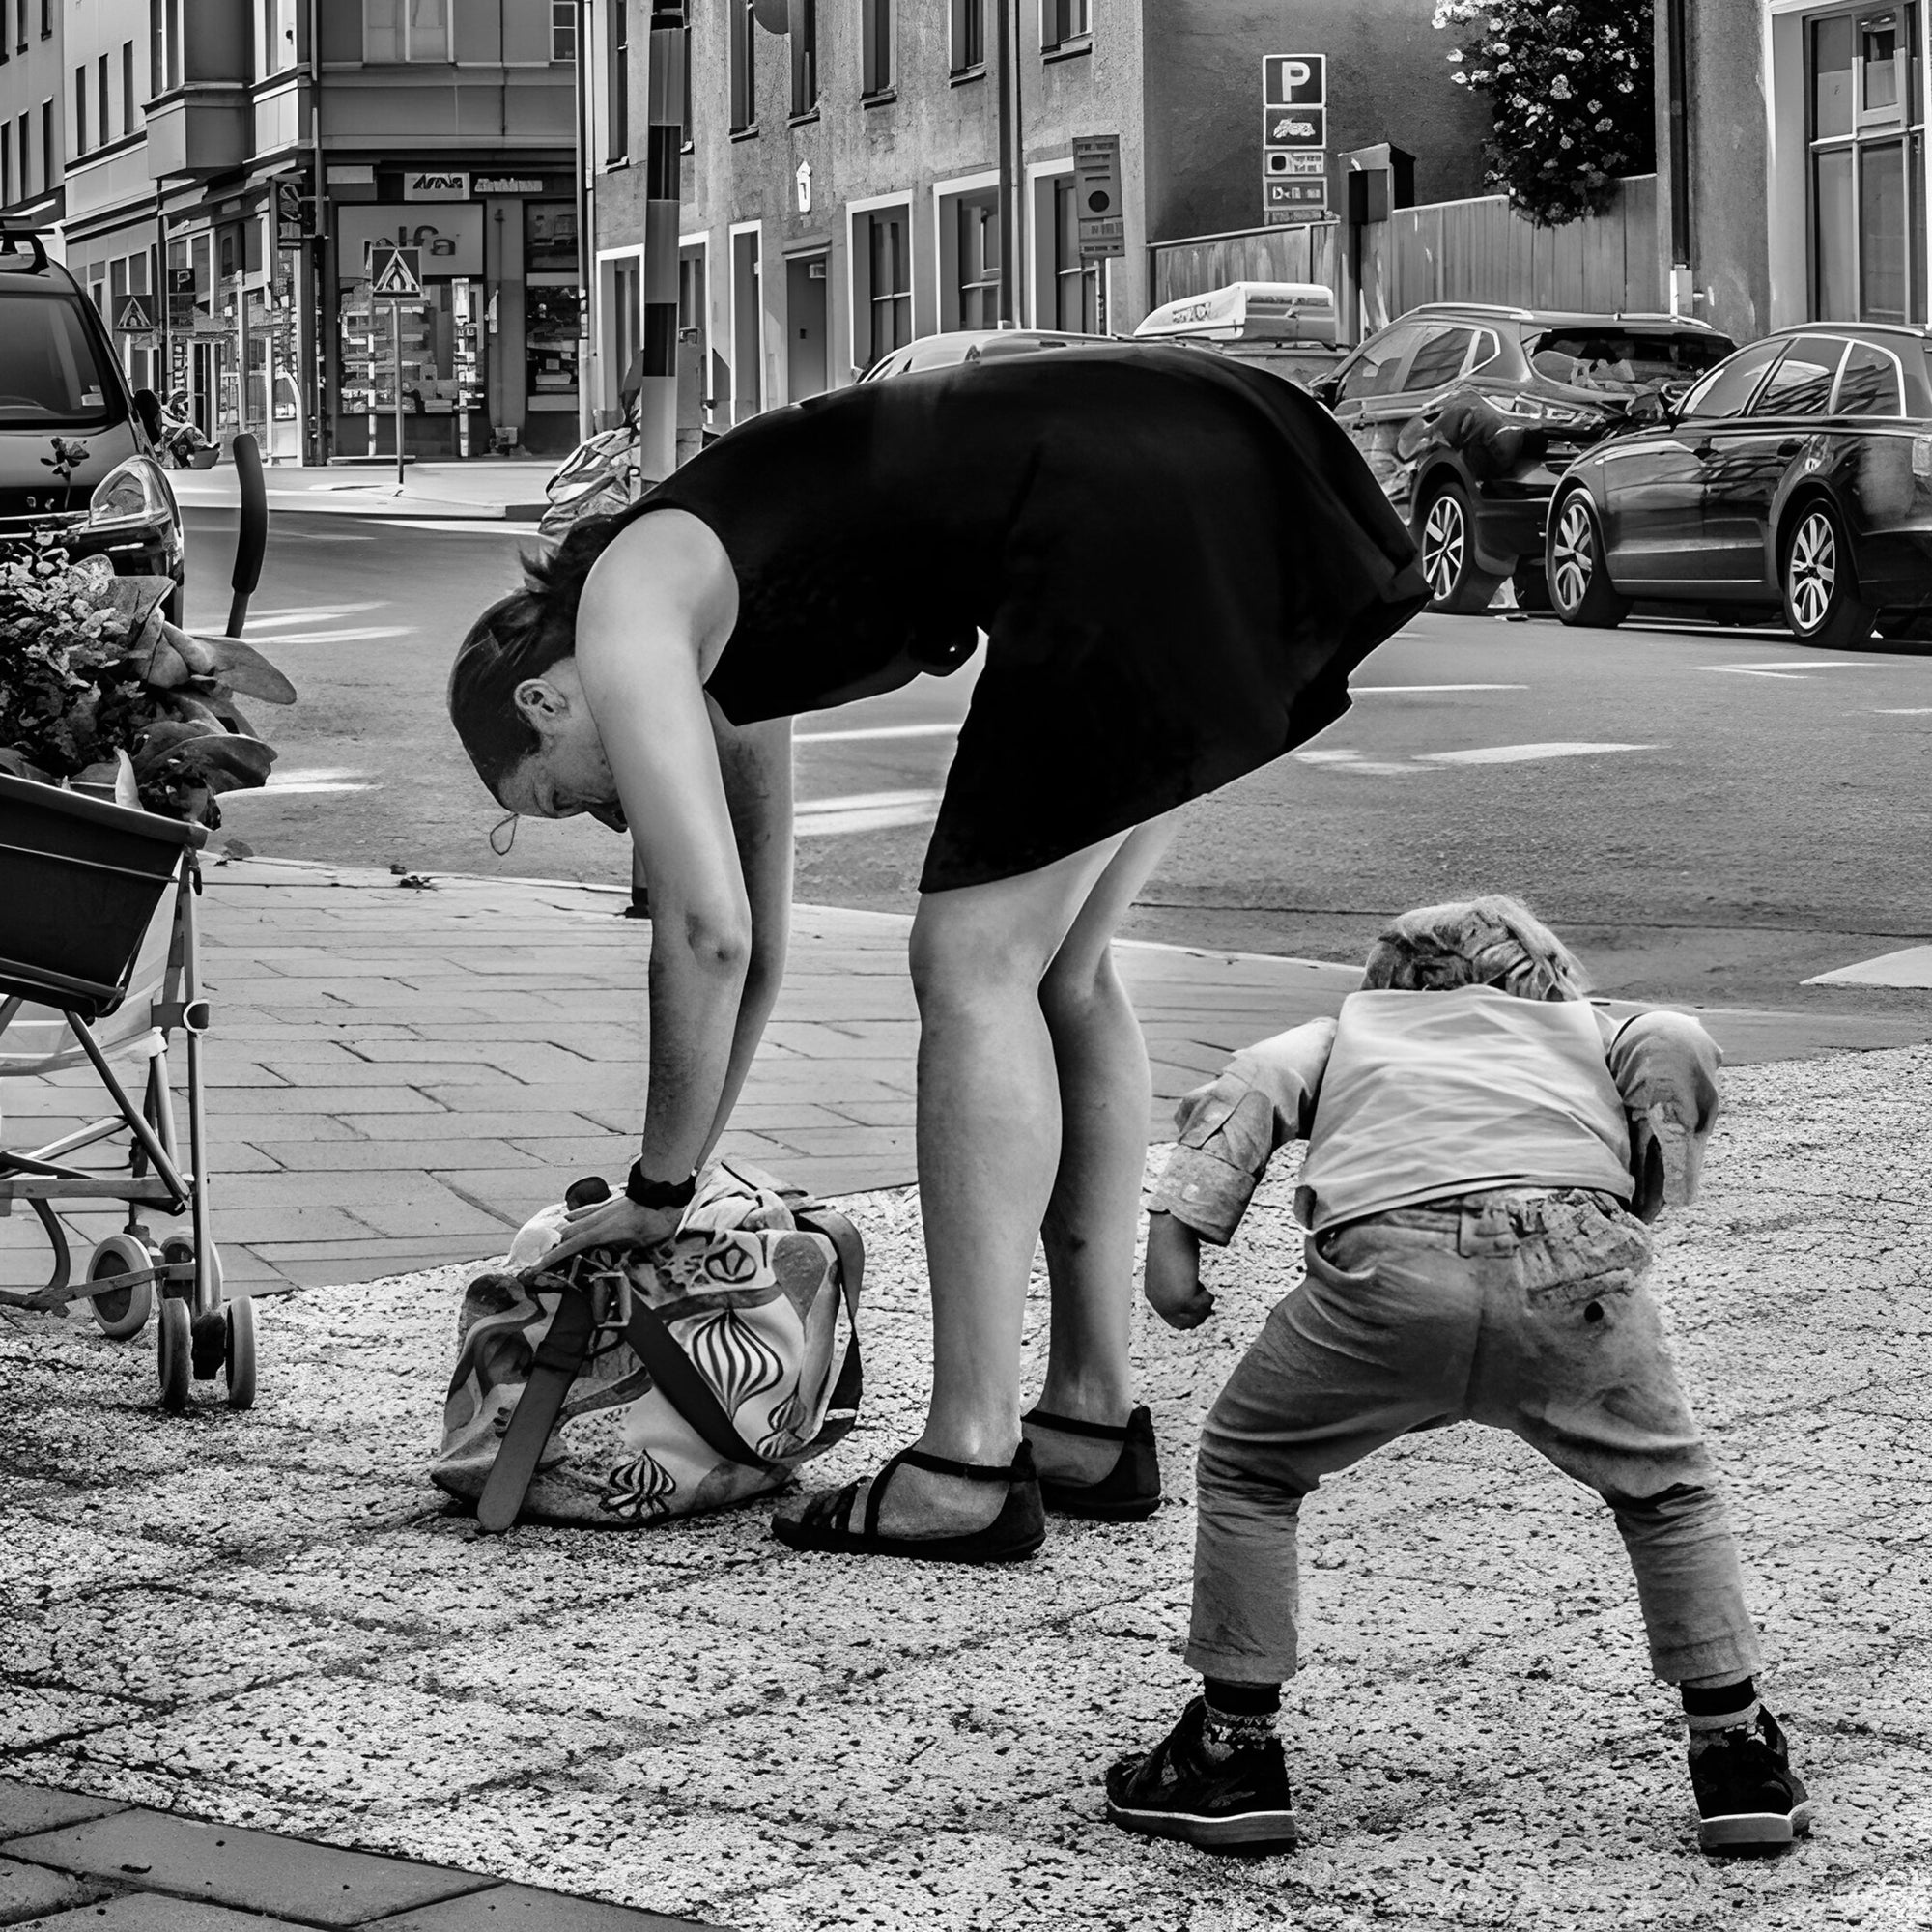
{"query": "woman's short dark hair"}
[(521, 636)]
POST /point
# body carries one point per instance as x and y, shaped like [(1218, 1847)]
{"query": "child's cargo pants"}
[(1525, 1309)]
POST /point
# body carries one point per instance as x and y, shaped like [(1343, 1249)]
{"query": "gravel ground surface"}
[(266, 1618)]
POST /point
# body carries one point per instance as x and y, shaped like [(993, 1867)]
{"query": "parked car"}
[(1797, 472), (952, 346), (1467, 414), (78, 450)]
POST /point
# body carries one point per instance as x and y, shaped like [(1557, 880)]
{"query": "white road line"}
[(308, 781), (1514, 754), (1355, 764), (356, 635), (875, 731), (1910, 967), (1757, 671), (333, 614), (1361, 690), (1782, 667), (865, 811), (463, 526), (1903, 710)]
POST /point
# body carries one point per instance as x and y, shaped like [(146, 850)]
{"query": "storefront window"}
[(1867, 165), (553, 298)]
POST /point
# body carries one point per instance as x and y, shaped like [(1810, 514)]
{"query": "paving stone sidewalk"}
[(402, 1072), (264, 1621)]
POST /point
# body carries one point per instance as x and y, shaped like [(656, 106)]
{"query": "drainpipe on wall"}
[(586, 250), (1009, 237), (657, 393), (317, 255), (1683, 293)]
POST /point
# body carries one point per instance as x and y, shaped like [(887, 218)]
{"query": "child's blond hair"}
[(1493, 941)]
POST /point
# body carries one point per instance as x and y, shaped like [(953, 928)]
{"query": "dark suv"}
[(76, 447), (1468, 415)]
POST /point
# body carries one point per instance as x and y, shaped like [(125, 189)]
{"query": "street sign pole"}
[(396, 344), (395, 276)]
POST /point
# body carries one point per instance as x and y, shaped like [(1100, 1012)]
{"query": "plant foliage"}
[(1570, 91)]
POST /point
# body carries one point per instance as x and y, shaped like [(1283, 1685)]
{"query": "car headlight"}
[(131, 493)]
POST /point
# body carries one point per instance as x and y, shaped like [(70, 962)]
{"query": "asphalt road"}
[(1707, 815)]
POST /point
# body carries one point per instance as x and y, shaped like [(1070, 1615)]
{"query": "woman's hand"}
[(1171, 1283), (616, 1223)]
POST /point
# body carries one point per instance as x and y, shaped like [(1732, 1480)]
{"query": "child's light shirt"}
[(1415, 1097)]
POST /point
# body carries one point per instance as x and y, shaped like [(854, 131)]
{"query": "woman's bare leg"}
[(990, 1147), (1094, 1216)]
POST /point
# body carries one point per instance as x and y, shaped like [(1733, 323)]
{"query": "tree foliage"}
[(1570, 95)]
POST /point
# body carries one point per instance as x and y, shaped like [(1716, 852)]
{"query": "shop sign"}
[(431, 187), (508, 184), (1097, 202), (451, 239)]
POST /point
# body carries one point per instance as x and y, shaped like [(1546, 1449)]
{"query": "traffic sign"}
[(1098, 201), (181, 298), (1298, 193), (133, 317), (1296, 127), (1295, 161), (295, 216), (1294, 80), (395, 274)]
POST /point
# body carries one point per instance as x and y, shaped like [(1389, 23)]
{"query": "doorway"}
[(806, 279)]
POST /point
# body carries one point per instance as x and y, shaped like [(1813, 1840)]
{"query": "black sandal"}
[(1017, 1531), (1129, 1492)]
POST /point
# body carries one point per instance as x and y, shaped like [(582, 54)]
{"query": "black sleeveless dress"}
[(1176, 559)]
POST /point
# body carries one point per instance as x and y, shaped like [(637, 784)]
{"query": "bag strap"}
[(687, 1391), (558, 1357), (842, 1409)]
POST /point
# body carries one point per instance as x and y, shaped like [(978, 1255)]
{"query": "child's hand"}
[(1173, 1279)]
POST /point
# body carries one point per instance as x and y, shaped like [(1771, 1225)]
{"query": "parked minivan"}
[(77, 448)]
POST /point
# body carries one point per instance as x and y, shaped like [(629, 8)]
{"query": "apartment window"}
[(164, 65), (1076, 284), (618, 99), (563, 30), (80, 111), (22, 48), (1867, 159), (685, 144), (875, 29), (969, 35), (882, 293), (103, 101), (47, 168), (46, 19), (6, 162), (279, 35), (744, 67), (978, 238), (405, 30), (804, 57), (1064, 23), (127, 87), (26, 164)]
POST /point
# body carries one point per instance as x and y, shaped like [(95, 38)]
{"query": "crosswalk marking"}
[(865, 811), (268, 620), (1911, 966), (1394, 690), (945, 731), (356, 635)]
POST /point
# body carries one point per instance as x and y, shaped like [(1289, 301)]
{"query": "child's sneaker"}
[(1237, 1803), (1749, 1798)]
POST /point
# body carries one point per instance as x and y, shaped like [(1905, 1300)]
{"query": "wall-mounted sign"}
[(804, 179), (1294, 137), (451, 238), (508, 184), (1098, 200), (429, 185)]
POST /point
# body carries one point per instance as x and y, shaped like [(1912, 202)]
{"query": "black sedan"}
[(1796, 473)]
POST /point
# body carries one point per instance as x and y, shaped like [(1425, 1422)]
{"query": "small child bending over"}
[(1484, 1149)]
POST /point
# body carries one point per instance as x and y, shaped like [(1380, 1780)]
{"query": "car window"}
[(1801, 385), (1624, 360), (1869, 385), (1438, 357), (1378, 367), (1488, 349), (49, 375), (1728, 387)]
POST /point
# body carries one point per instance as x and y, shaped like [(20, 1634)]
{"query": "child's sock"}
[(1710, 1709), (1240, 1717)]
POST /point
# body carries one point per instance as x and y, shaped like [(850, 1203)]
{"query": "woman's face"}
[(568, 773)]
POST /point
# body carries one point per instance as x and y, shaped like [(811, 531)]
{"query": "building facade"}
[(448, 125), (842, 184), (1792, 184)]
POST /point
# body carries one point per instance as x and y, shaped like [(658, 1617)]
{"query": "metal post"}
[(1676, 33), (657, 393), (396, 343), (586, 253)]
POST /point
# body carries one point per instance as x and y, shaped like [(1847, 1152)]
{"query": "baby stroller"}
[(98, 957)]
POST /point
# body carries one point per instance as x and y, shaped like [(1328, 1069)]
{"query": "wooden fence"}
[(1479, 250)]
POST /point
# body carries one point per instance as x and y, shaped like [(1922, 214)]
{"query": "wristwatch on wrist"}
[(660, 1195)]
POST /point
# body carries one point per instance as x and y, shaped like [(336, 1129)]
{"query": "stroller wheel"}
[(242, 1353), (174, 1351), (178, 1249), (121, 1312)]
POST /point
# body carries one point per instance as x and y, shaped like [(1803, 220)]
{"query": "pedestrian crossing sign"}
[(132, 317), (395, 274)]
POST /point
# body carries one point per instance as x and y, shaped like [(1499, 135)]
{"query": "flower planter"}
[(80, 880)]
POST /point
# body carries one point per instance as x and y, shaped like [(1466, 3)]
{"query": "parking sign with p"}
[(1294, 80)]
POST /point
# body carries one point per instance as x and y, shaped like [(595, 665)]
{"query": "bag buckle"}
[(609, 1291)]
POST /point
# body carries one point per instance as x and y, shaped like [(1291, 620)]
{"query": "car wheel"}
[(1448, 544), (1581, 590), (1821, 588)]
